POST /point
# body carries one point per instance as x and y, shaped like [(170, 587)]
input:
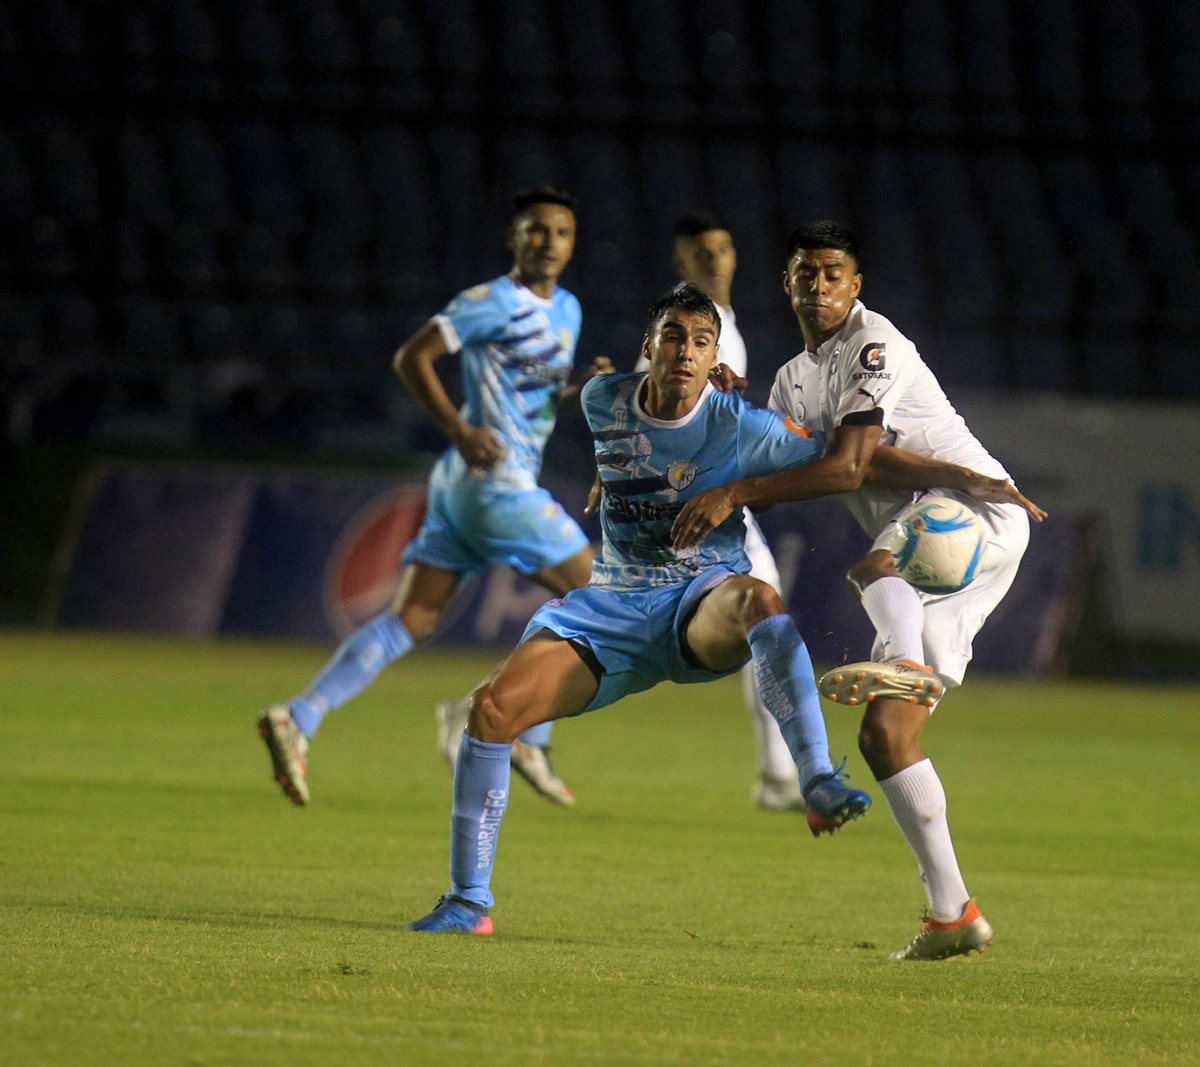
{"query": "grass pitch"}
[(161, 903)]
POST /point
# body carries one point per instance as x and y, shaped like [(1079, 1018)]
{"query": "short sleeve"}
[(475, 317), (596, 402), (768, 441), (779, 390), (879, 366)]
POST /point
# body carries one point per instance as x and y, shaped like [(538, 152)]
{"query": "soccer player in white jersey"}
[(863, 383), (705, 256), (517, 335), (652, 612)]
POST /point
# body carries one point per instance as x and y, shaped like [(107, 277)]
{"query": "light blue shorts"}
[(471, 526), (635, 636)]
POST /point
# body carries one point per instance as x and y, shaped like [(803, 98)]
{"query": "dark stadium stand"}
[(290, 188)]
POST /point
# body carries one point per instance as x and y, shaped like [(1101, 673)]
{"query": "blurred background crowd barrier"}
[(219, 221)]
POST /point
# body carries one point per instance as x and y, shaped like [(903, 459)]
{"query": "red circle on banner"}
[(364, 566)]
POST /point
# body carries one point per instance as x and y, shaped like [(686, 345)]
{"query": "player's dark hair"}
[(685, 297), (824, 234), (694, 223), (542, 194)]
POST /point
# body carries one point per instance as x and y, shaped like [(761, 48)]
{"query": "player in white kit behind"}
[(863, 383), (705, 256)]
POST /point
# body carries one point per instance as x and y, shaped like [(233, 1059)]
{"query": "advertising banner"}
[(295, 553)]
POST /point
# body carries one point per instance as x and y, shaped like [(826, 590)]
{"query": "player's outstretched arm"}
[(413, 362), (840, 470), (898, 468)]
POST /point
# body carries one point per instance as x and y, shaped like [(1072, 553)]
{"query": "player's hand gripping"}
[(701, 515), (724, 380), (478, 445), (600, 365), (1000, 491)]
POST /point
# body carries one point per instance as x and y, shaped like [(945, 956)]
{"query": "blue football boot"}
[(453, 915), (831, 802)]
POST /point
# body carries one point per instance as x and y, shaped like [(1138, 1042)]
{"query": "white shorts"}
[(762, 563), (953, 619)]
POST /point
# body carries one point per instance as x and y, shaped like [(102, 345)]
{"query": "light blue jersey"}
[(517, 351), (649, 468)]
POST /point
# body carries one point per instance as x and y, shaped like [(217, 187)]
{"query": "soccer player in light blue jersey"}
[(517, 336), (652, 612)]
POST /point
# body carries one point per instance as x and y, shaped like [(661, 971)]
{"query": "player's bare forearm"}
[(898, 468), (840, 470), (414, 364), (706, 511)]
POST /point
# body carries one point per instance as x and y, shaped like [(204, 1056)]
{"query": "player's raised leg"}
[(740, 614), (545, 678), (286, 729)]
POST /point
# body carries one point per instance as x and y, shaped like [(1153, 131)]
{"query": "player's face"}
[(708, 261), (542, 239), (822, 284), (682, 349)]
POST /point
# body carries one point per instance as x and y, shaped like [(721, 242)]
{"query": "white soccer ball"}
[(939, 546)]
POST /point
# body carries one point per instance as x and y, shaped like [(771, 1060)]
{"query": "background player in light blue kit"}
[(517, 336), (652, 613)]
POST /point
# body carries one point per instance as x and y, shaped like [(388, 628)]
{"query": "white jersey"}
[(732, 351), (867, 365)]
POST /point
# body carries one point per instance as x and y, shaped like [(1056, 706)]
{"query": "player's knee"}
[(758, 601), (420, 622), (487, 719), (871, 568), (881, 739)]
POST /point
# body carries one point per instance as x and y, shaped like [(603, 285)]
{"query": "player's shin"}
[(918, 803), (353, 667), (480, 799), (784, 673)]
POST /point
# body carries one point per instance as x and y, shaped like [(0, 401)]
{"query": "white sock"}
[(895, 609), (918, 803), (774, 759)]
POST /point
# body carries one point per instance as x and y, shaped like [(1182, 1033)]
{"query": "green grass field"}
[(161, 903)]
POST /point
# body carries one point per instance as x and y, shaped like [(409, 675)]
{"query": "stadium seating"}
[(298, 186)]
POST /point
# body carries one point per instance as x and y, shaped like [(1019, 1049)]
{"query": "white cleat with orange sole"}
[(861, 683), (970, 932)]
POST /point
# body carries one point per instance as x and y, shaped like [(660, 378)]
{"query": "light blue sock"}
[(537, 735), (784, 673), (354, 666), (480, 798)]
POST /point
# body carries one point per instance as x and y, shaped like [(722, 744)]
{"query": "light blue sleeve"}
[(477, 315), (768, 442), (596, 401)]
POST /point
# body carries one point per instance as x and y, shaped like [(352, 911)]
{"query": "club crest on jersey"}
[(681, 473), (871, 357)]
